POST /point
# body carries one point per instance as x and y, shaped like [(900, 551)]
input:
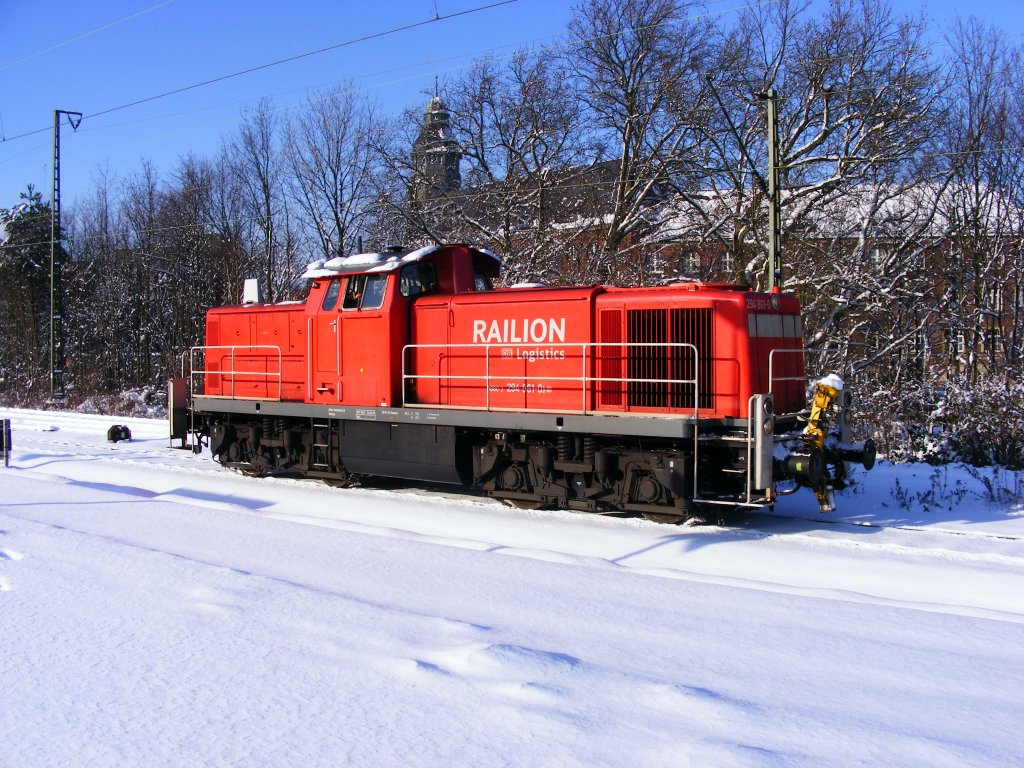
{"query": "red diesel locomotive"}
[(409, 364)]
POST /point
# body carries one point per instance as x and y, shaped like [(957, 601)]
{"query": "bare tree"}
[(144, 245), (981, 260), (257, 164), (98, 241), (642, 65), (330, 149), (855, 90), (24, 274), (855, 93), (522, 140), (227, 218)]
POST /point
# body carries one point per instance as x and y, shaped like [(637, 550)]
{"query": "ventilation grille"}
[(610, 371), (660, 367)]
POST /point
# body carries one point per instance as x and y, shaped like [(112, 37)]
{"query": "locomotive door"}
[(372, 341), (326, 369)]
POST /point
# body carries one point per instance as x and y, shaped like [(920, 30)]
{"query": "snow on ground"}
[(158, 610)]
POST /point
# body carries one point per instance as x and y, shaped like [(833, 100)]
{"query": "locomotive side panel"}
[(256, 352), (510, 350), (734, 366), (747, 344), (426, 361)]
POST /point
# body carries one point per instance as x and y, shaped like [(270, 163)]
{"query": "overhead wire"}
[(513, 49), (516, 47), (84, 35), (278, 62)]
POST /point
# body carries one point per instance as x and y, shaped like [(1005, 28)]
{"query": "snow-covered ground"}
[(156, 610)]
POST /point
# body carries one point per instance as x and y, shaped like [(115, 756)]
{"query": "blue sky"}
[(91, 57)]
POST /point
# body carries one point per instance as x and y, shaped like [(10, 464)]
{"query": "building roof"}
[(880, 211)]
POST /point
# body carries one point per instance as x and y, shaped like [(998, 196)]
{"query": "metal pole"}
[(774, 196), (771, 186), (56, 374), (5, 441), (56, 252)]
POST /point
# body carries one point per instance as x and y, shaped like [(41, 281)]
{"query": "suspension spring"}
[(565, 448)]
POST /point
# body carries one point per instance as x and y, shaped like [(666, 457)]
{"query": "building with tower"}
[(435, 156)]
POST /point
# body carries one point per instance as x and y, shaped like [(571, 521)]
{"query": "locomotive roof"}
[(376, 262)]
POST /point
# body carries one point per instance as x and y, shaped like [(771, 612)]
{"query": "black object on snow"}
[(118, 432)]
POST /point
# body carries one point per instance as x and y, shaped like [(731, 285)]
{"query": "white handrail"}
[(231, 372), (583, 379)]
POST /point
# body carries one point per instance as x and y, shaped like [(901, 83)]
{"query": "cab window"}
[(331, 295), (481, 282), (417, 278), (365, 292)]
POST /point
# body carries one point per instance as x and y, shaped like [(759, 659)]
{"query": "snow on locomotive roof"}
[(366, 262), (373, 262)]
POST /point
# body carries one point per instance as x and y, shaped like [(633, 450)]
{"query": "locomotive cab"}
[(359, 312), (343, 345)]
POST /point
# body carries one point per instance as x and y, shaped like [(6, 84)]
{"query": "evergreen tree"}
[(24, 299)]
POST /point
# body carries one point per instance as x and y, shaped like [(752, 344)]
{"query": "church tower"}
[(435, 155)]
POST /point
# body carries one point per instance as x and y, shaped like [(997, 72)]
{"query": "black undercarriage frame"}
[(665, 468)]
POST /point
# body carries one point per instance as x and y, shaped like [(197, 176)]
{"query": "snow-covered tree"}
[(24, 299), (258, 164), (983, 205), (642, 66), (524, 151)]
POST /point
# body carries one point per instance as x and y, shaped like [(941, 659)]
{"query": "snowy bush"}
[(983, 424), (951, 486), (900, 424), (145, 402), (980, 424)]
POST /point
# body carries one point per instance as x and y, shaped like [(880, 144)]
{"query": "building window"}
[(995, 299), (689, 263)]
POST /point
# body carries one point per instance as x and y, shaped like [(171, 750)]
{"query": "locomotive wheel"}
[(342, 482), (249, 470), (666, 518), (525, 503), (242, 467)]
